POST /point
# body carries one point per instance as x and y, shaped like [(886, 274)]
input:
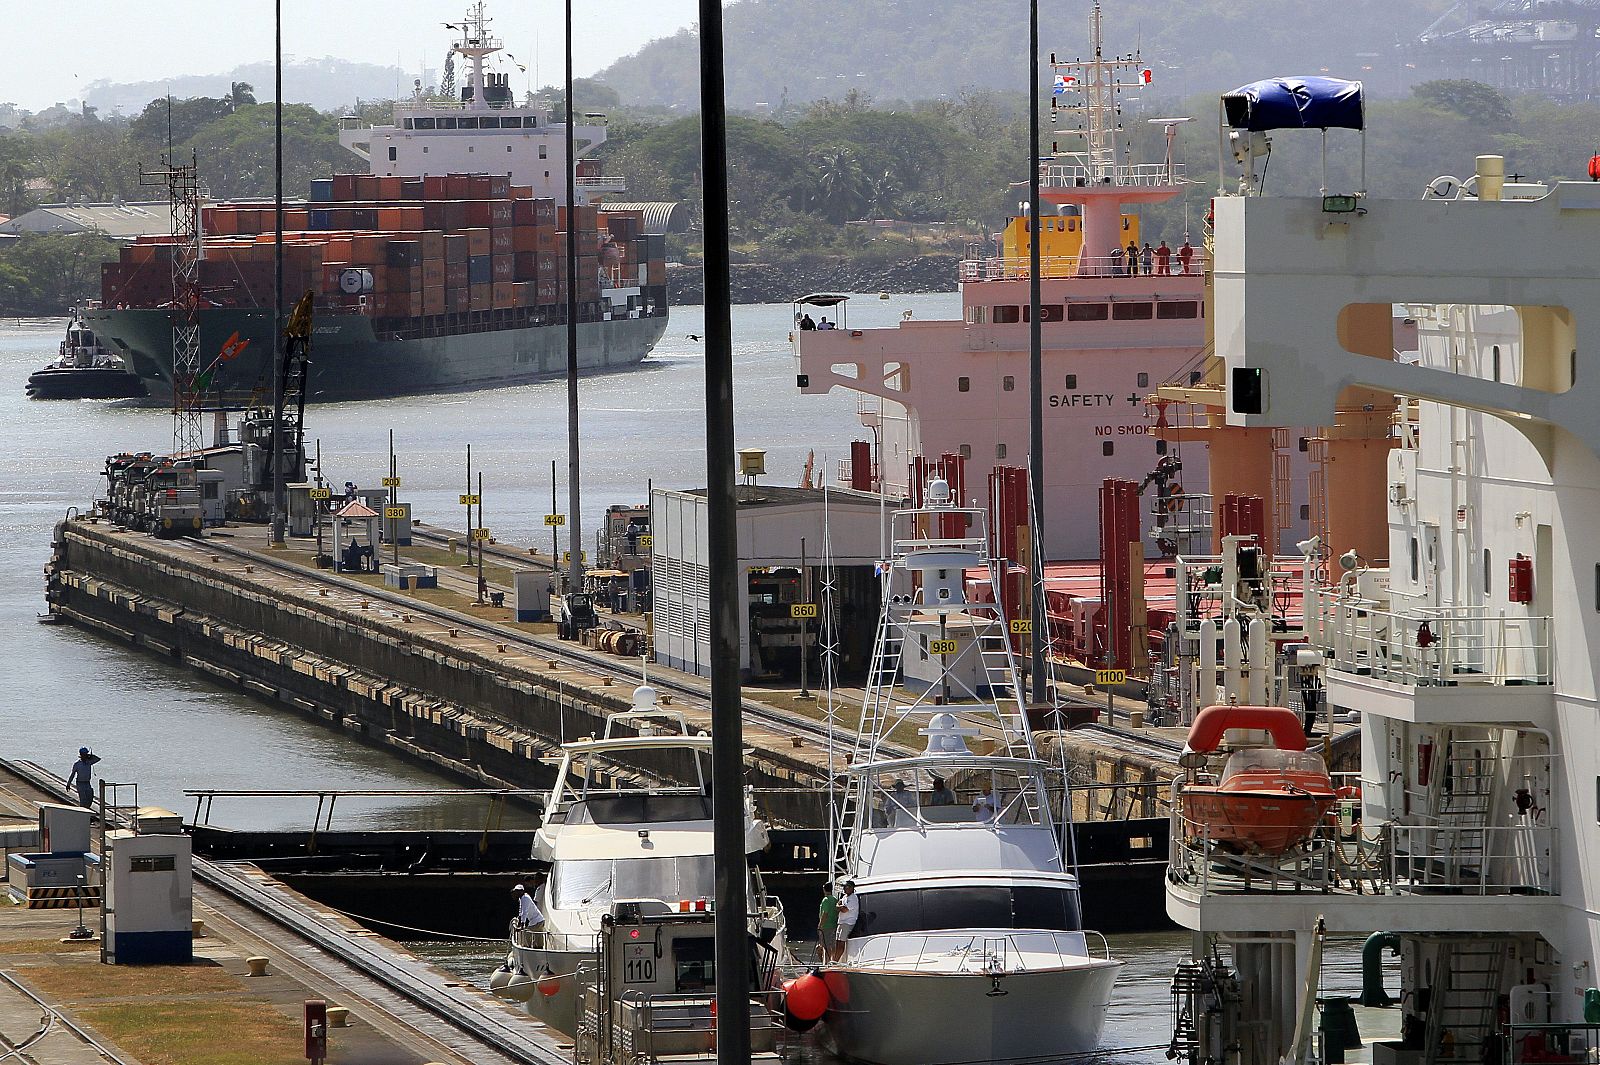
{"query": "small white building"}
[(776, 527)]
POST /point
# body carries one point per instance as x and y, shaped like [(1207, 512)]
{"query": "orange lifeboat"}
[(1265, 800)]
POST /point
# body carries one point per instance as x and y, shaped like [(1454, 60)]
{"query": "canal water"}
[(171, 729)]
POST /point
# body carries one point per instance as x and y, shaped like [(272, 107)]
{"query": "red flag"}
[(1144, 75)]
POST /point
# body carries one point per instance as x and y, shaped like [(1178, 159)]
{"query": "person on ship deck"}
[(1163, 259), (1133, 259)]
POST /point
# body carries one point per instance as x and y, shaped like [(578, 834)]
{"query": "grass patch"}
[(86, 983), (200, 1033), (44, 946)]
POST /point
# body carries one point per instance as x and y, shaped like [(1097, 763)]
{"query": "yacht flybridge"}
[(969, 944), (629, 819)]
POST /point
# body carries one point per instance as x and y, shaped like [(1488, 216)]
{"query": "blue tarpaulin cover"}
[(1295, 103)]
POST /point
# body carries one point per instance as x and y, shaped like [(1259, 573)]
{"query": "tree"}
[(841, 186), (46, 273), (1469, 99), (241, 94)]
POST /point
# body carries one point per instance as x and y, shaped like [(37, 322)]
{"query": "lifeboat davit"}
[(1265, 800)]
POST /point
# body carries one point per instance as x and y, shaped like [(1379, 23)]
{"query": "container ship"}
[(444, 268)]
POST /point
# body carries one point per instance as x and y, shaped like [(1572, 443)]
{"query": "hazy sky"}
[(73, 43)]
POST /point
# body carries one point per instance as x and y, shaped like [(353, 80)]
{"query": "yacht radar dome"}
[(946, 735), (644, 697), (939, 492)]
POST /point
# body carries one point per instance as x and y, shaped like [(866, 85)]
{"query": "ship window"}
[(467, 123), (1486, 571), (544, 151), (508, 147), (1072, 380), (1496, 353), (511, 122), (947, 908), (1305, 444), (1161, 447), (1415, 571), (445, 123), (1597, 586), (427, 123), (1048, 312), (1178, 309), (999, 451), (394, 153), (966, 451), (1194, 376), (424, 149), (1144, 380), (488, 123), (1007, 315), (472, 148), (1008, 383), (1305, 511), (1087, 312), (1107, 448), (1132, 312), (406, 124), (963, 384)]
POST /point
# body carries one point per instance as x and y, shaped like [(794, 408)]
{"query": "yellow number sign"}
[(480, 533), (555, 519), (802, 610), (646, 542), (391, 482), (321, 493), (1111, 676), (943, 647), (469, 500), (1021, 627), (394, 512)]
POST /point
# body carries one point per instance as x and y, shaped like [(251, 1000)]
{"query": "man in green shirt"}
[(828, 923)]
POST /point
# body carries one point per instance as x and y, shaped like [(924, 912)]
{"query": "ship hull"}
[(883, 1017), (350, 361)]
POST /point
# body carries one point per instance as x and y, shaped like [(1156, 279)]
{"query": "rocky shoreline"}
[(780, 283)]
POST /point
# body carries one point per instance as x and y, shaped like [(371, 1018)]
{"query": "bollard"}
[(197, 928), (257, 966), (338, 1016), (1136, 719)]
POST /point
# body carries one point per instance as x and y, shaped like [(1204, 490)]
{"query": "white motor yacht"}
[(612, 831), (969, 944)]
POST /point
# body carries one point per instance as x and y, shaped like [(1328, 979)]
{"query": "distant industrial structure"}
[(1549, 47)]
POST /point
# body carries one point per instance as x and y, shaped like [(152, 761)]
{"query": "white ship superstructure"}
[(1469, 652), (485, 132)]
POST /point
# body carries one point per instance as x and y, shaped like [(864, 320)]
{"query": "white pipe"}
[(1208, 664), (1232, 659), (1181, 588), (1260, 664)]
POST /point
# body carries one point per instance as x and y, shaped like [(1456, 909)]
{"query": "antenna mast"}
[(183, 196), (1096, 82)]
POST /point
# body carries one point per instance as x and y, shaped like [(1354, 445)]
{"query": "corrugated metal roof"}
[(658, 217), (119, 221)]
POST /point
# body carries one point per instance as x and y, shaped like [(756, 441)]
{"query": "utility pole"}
[(1041, 685), (467, 501), (727, 732), (481, 531), (805, 627), (278, 495), (574, 470), (555, 542), (393, 484)]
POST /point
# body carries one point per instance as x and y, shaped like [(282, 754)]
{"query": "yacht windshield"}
[(577, 885), (948, 908)]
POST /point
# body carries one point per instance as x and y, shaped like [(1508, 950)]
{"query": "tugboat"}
[(84, 370), (968, 944), (608, 838), (1265, 800)]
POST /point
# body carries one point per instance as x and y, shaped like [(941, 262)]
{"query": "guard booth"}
[(149, 904), (58, 874)]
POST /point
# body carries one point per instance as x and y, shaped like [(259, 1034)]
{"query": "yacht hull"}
[(885, 1017), (559, 1010)]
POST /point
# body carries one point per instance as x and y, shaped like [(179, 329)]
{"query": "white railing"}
[(1397, 859), (978, 952), (1138, 175), (539, 939), (1003, 268), (602, 183), (1459, 859), (1436, 645)]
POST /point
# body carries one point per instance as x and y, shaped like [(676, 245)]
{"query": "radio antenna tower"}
[(183, 195)]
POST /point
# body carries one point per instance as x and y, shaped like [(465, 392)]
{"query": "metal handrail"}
[(1005, 268), (1434, 645), (1137, 175), (977, 947), (542, 939)]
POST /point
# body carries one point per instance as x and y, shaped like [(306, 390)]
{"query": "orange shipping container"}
[(433, 301), (478, 242), (482, 297), (504, 295)]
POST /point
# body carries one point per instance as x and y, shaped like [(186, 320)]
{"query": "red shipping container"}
[(502, 241), (504, 295), (499, 185), (527, 266), (457, 187), (455, 275), (435, 187), (344, 187), (433, 301), (433, 271), (432, 245), (478, 242), (482, 297), (503, 267), (411, 188), (478, 188), (456, 248), (455, 214), (524, 238), (457, 300), (390, 188)]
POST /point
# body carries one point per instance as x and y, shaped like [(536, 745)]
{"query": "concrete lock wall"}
[(488, 720)]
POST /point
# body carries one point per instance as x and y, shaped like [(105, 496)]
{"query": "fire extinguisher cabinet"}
[(149, 901)]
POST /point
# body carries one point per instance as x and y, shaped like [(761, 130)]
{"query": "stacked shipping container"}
[(401, 248)]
